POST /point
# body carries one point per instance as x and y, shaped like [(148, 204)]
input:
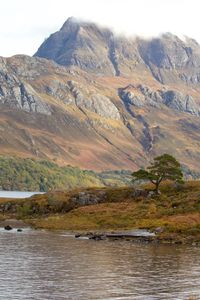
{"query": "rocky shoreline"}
[(151, 238), (143, 236)]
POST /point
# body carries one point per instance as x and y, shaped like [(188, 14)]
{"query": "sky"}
[(24, 24)]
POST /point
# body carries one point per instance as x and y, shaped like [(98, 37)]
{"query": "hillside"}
[(17, 174), (98, 101)]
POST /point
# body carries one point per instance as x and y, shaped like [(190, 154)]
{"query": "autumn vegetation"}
[(174, 213)]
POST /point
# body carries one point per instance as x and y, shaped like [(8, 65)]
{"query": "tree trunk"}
[(156, 188)]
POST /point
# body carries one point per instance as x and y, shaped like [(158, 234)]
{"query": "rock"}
[(140, 96), (17, 94), (150, 95), (97, 237), (19, 230), (140, 193), (103, 106), (159, 230), (77, 235), (7, 206), (153, 193), (8, 227), (167, 52), (130, 98), (180, 102), (84, 198), (99, 104)]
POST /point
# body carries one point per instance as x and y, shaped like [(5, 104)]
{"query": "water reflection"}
[(43, 265)]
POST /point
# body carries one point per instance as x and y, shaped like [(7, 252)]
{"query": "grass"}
[(176, 212)]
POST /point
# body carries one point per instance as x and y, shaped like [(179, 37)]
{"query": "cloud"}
[(25, 24)]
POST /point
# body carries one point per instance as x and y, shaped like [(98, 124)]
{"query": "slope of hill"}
[(17, 174), (91, 99)]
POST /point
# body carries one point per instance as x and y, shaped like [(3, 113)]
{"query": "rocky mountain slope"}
[(92, 99)]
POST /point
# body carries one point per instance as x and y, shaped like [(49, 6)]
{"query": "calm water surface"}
[(17, 194), (43, 265)]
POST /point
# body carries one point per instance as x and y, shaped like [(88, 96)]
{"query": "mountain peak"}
[(98, 50), (70, 23), (73, 22)]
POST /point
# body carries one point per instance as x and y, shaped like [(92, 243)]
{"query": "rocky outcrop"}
[(18, 94), (60, 91), (86, 198), (130, 98), (180, 102), (151, 97), (96, 103), (140, 96)]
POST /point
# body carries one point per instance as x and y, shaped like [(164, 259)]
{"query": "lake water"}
[(17, 194), (41, 265)]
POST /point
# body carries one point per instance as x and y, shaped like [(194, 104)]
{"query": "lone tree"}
[(162, 168)]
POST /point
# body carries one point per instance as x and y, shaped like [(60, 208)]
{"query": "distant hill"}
[(18, 174)]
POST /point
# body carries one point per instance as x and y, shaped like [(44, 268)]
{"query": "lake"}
[(42, 265), (17, 194)]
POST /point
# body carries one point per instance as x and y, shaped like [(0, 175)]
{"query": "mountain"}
[(98, 50), (93, 99)]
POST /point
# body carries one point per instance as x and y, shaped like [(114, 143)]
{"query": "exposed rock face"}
[(140, 96), (96, 103), (98, 50), (171, 98), (76, 44), (102, 106), (18, 94), (169, 52), (91, 48), (170, 59), (180, 102), (130, 98)]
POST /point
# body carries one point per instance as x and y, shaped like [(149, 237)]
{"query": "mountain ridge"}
[(166, 52)]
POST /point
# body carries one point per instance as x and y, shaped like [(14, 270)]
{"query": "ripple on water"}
[(44, 265)]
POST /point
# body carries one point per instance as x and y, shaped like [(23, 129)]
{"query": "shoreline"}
[(174, 215), (146, 237)]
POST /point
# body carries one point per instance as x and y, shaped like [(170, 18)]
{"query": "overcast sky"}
[(24, 24)]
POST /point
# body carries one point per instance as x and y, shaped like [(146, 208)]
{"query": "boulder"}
[(86, 198), (8, 227), (78, 235), (97, 237), (140, 193)]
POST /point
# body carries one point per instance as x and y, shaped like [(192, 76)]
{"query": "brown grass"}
[(176, 211)]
